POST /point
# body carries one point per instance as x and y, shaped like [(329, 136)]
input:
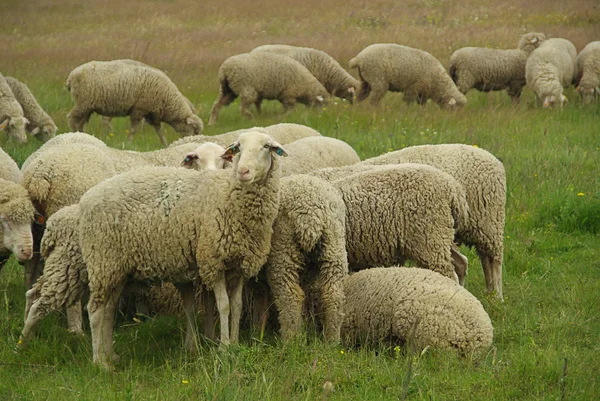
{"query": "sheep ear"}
[(231, 151), (189, 160), (35, 131), (452, 101), (277, 149), (4, 124), (39, 219), (320, 98)]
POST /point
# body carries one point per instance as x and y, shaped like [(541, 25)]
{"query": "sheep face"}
[(347, 94), (15, 127), (191, 126), (206, 157), (17, 238), (587, 93), (16, 215), (531, 41), (553, 101), (252, 156)]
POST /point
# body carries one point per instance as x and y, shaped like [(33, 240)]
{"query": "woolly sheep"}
[(414, 307), (549, 69), (398, 212), (283, 133), (262, 75), (177, 225), (119, 89), (12, 119), (386, 66), (588, 72), (493, 69), (316, 152), (329, 72), (483, 178), (61, 174), (40, 124)]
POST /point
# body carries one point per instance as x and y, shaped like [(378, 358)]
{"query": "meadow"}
[(546, 332)]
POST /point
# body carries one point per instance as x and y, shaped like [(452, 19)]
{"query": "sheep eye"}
[(267, 146)]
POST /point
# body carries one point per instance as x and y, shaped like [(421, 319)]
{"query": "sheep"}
[(494, 69), (549, 69), (170, 224), (483, 178), (16, 213), (12, 119), (588, 72), (116, 89), (40, 124), (61, 174), (398, 212), (316, 152), (283, 133), (329, 72), (413, 307), (387, 66), (262, 75)]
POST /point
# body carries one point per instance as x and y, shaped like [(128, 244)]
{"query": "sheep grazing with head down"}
[(549, 69), (494, 69), (117, 89), (263, 75), (12, 119), (40, 124), (588, 72), (413, 307), (329, 72), (387, 66), (179, 225)]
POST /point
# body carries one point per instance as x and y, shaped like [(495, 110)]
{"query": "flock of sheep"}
[(206, 214)]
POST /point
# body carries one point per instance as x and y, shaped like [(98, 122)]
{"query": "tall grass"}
[(552, 252)]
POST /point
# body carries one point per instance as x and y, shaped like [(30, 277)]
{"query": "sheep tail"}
[(309, 227), (353, 63)]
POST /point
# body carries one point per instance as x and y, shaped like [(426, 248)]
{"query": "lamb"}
[(494, 69), (16, 213), (387, 66), (116, 89), (12, 119), (210, 222), (483, 178), (329, 72), (40, 124), (262, 75), (549, 69), (415, 307), (588, 72), (398, 212)]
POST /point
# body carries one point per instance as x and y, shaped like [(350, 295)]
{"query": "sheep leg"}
[(158, 129), (236, 309), (37, 312), (248, 97), (378, 91), (135, 118), (107, 122), (33, 269), (332, 300), (289, 299), (514, 91), (209, 314), (363, 91), (77, 118), (492, 270), (102, 312), (187, 295), (461, 264), (74, 318), (288, 104), (223, 99), (222, 299), (496, 264)]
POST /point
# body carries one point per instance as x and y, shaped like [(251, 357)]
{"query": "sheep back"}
[(316, 152)]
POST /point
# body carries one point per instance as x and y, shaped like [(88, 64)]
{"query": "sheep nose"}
[(243, 172), (25, 254)]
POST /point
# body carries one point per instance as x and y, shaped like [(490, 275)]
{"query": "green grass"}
[(552, 247)]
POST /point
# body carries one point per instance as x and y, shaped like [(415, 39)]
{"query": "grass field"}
[(546, 333)]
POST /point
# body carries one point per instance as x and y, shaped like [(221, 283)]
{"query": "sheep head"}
[(206, 157), (15, 127)]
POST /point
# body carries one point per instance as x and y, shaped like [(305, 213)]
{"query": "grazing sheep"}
[(159, 223), (262, 75), (12, 119), (549, 69), (117, 89), (493, 69), (40, 124), (283, 133), (397, 68), (329, 72), (483, 178), (588, 72), (413, 307), (398, 212), (316, 152), (16, 213)]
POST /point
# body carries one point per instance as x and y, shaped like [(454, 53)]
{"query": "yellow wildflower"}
[(185, 382), (580, 194), (342, 352)]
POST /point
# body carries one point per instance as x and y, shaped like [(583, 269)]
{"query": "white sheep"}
[(413, 307), (117, 89), (283, 133), (416, 73), (399, 212), (316, 152), (178, 225), (549, 69), (588, 72), (262, 75), (40, 124), (329, 72), (483, 178), (12, 119), (493, 69)]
